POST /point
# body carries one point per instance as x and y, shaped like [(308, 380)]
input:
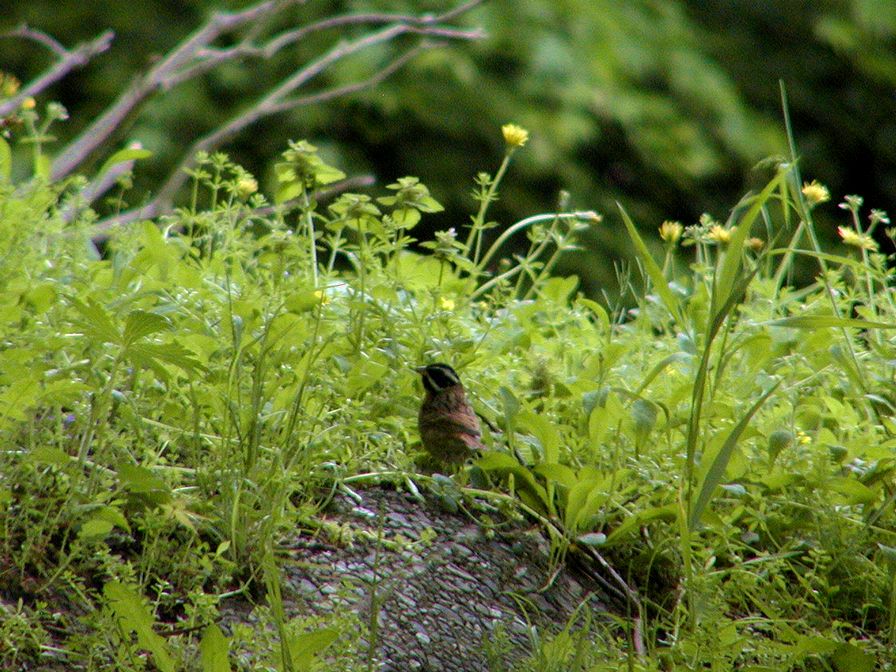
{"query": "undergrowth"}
[(173, 408)]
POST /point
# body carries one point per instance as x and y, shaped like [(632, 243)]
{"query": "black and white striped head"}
[(438, 377)]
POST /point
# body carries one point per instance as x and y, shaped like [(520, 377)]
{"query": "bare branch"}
[(279, 99), (195, 56), (40, 37), (100, 130), (354, 87), (213, 57), (68, 61)]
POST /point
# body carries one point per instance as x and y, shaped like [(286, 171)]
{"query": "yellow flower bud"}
[(515, 136), (856, 239), (671, 231), (246, 186), (719, 234), (815, 192)]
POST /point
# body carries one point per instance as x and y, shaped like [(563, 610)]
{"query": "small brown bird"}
[(448, 425)]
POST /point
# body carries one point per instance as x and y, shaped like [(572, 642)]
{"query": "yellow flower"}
[(446, 304), (856, 239), (29, 103), (246, 186), (9, 85), (515, 136), (671, 231), (815, 192), (755, 244), (321, 296), (720, 234)]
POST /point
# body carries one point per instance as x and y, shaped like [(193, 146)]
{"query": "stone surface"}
[(435, 601)]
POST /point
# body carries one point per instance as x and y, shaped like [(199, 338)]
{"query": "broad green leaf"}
[(643, 414), (305, 647), (599, 311), (559, 290), (558, 473), (778, 440), (152, 356), (140, 324), (584, 501), (97, 322), (95, 528), (850, 658), (504, 464), (852, 490), (48, 455), (666, 512), (213, 650), (135, 617), (364, 374), (545, 432), (142, 481)]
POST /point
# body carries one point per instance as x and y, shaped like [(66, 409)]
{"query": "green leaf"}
[(121, 156), (560, 474), (140, 324), (826, 321), (653, 270), (666, 512), (142, 481), (584, 501), (778, 440), (305, 647), (718, 463), (213, 650), (97, 322), (364, 374), (95, 528), (545, 432), (152, 356), (733, 256), (853, 491), (5, 161), (135, 617), (661, 366), (643, 415), (48, 455), (850, 658), (504, 464)]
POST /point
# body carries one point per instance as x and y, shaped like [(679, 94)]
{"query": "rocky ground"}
[(442, 591)]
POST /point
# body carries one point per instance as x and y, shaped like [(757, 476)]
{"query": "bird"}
[(448, 424)]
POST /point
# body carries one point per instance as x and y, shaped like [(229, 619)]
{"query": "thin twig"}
[(68, 61), (93, 137)]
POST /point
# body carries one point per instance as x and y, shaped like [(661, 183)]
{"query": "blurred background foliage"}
[(663, 105)]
